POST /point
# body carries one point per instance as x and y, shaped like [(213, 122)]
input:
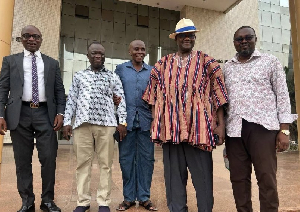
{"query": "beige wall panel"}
[(45, 15), (295, 23), (217, 29), (6, 20)]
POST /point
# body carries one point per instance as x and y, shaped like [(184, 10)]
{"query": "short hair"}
[(244, 27), (94, 42)]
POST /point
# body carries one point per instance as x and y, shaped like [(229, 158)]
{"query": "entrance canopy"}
[(217, 5)]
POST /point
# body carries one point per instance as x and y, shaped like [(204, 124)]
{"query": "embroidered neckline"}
[(184, 61)]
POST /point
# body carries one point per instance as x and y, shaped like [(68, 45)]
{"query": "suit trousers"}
[(34, 123), (256, 146), (177, 159), (90, 138)]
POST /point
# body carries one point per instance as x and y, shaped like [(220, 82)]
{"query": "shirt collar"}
[(37, 53), (103, 69), (130, 65), (256, 53)]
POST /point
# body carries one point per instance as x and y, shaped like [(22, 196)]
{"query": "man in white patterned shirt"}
[(90, 102), (257, 123)]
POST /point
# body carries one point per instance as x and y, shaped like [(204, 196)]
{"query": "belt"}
[(32, 105)]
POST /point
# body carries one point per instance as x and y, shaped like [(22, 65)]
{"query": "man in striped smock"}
[(187, 93)]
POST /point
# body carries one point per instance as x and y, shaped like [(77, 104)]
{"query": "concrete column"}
[(6, 22), (295, 33)]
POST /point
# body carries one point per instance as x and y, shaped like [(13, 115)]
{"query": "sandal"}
[(125, 205), (148, 205)]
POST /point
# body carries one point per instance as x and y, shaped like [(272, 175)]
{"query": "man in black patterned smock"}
[(90, 102)]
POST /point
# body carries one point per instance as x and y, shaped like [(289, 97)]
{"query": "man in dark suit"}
[(32, 103)]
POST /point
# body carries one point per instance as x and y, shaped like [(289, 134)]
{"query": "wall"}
[(6, 21), (295, 34), (45, 15), (216, 28)]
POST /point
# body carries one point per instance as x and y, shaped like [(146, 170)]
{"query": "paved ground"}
[(65, 196)]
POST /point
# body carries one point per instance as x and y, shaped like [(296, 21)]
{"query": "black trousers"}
[(34, 123), (177, 159), (256, 146)]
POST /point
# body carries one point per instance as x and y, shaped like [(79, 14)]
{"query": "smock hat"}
[(183, 26)]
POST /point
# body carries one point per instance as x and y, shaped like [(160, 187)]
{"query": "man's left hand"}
[(116, 99), (58, 122), (282, 142), (220, 131), (122, 130)]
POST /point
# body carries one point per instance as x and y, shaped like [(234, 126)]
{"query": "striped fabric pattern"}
[(186, 99)]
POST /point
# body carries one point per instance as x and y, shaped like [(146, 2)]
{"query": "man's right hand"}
[(3, 127), (122, 130), (67, 132)]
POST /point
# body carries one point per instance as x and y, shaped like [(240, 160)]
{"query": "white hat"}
[(183, 26)]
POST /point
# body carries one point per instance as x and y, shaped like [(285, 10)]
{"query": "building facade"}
[(68, 26)]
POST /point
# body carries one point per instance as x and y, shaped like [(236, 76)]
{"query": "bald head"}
[(137, 51), (136, 42), (31, 27)]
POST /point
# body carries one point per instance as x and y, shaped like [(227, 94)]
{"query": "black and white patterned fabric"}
[(90, 99)]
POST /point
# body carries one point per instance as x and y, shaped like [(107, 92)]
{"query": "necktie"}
[(35, 84)]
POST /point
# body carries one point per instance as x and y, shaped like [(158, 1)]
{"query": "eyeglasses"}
[(27, 36), (247, 38), (186, 35)]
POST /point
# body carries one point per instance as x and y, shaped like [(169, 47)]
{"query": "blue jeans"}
[(136, 157)]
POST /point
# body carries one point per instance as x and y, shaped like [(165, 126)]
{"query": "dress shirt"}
[(134, 84), (27, 66), (257, 92), (90, 99)]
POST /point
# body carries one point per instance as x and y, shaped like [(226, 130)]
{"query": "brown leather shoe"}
[(25, 208), (49, 207)]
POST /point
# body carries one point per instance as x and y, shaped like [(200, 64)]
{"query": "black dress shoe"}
[(49, 207), (25, 208)]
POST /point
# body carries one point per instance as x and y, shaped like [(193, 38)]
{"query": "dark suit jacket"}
[(11, 88)]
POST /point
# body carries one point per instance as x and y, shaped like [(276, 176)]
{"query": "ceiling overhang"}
[(216, 5)]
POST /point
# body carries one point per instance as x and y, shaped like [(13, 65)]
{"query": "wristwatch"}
[(286, 132), (124, 123)]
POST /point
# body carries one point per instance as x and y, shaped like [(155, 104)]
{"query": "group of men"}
[(184, 103)]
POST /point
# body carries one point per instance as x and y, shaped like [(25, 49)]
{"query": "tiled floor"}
[(65, 196)]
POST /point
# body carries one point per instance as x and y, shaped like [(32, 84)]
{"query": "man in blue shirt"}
[(136, 151)]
